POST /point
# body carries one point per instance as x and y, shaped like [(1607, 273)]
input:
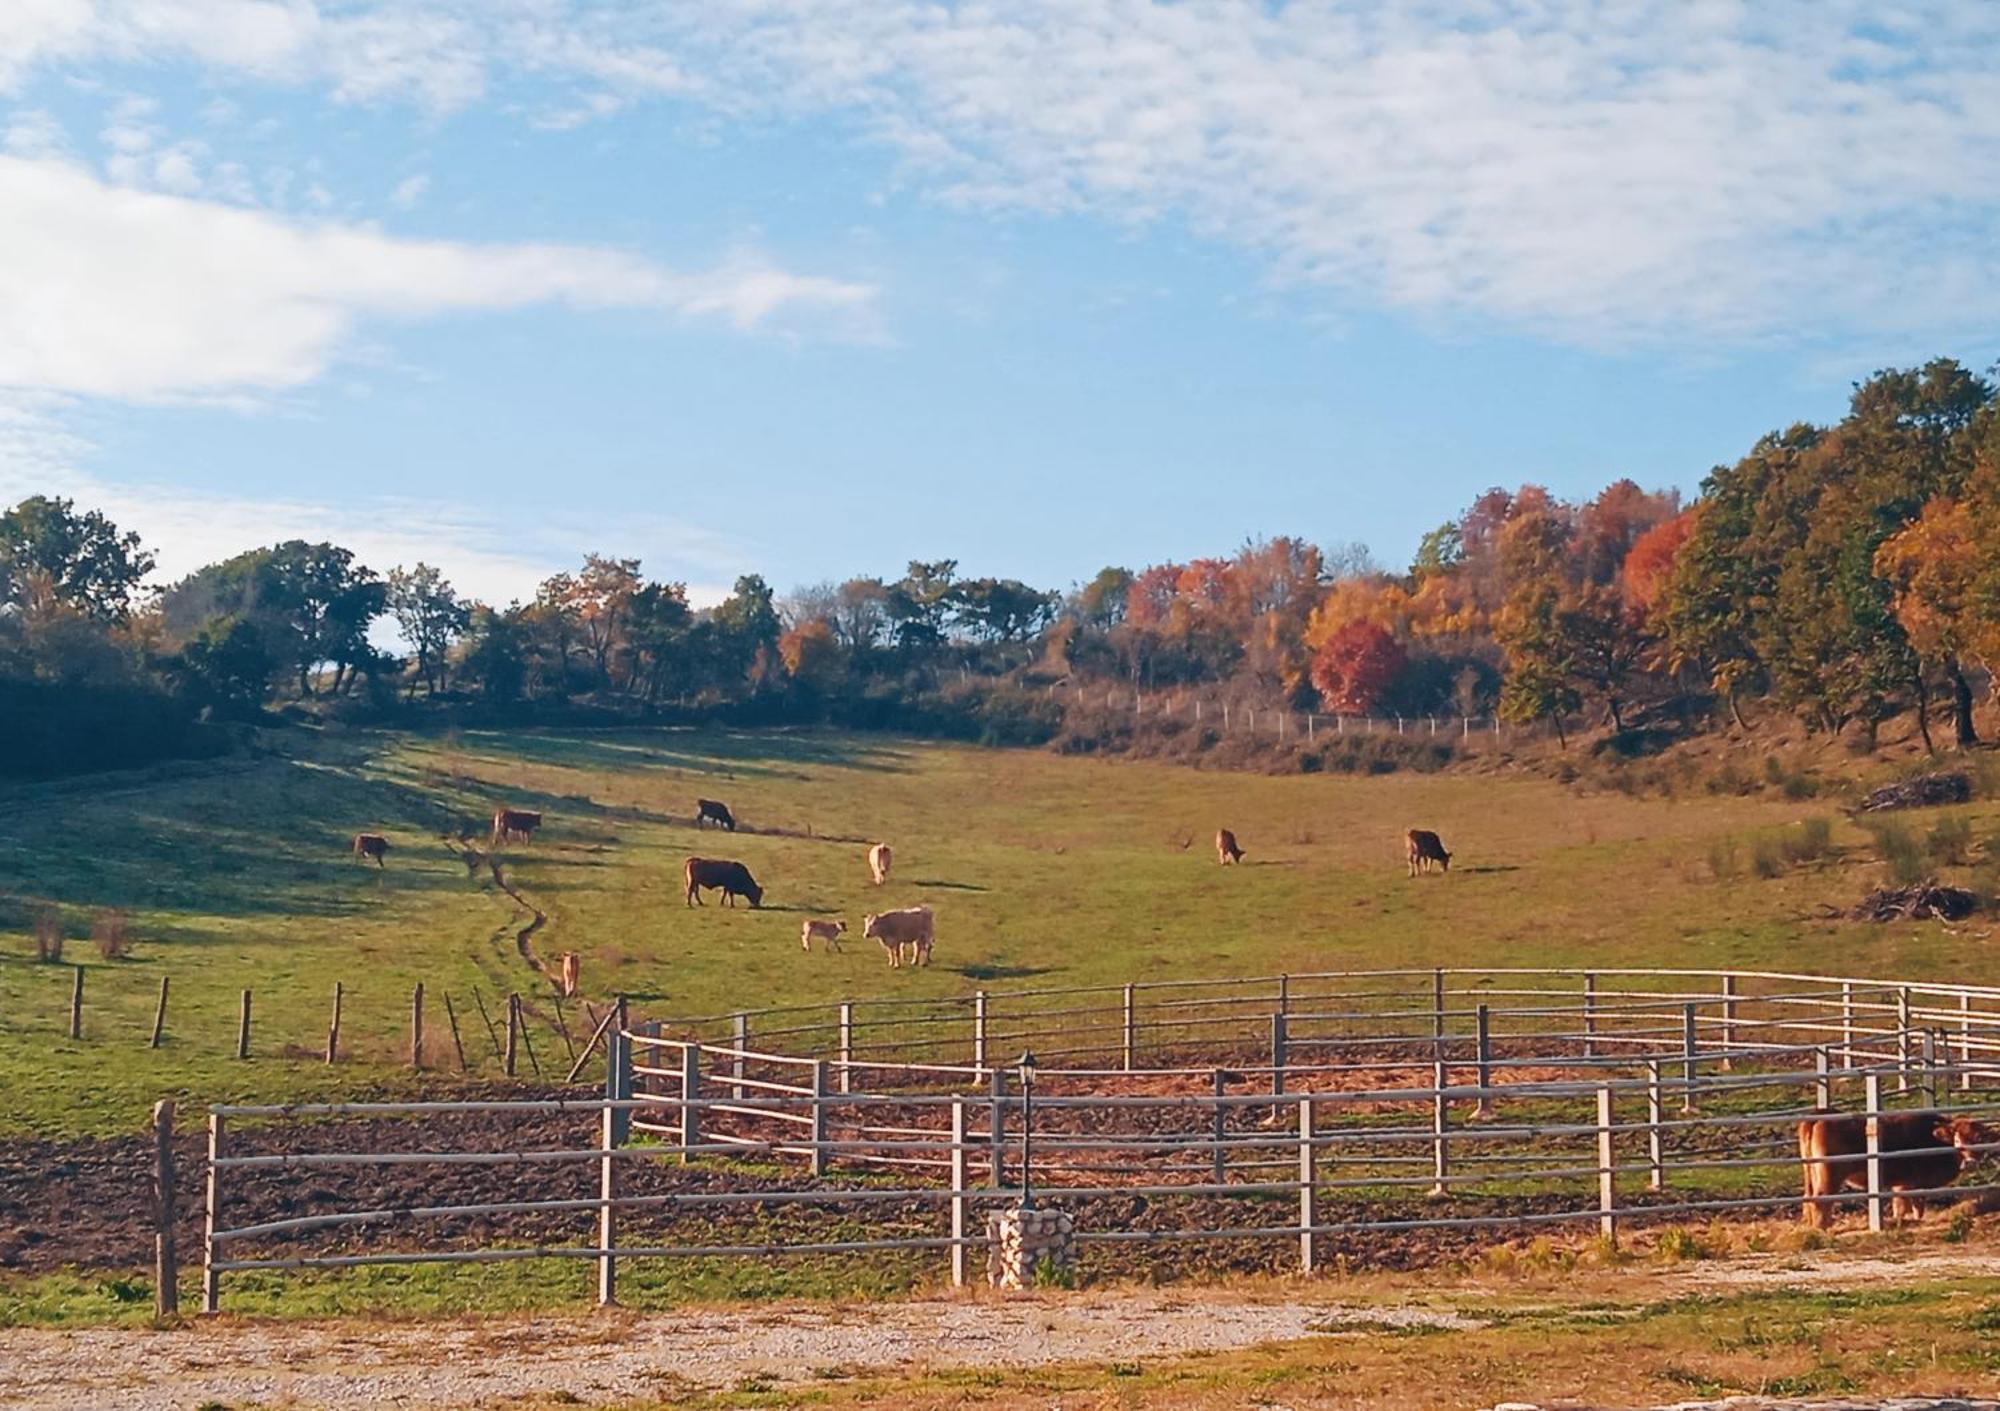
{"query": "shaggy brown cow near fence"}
[(713, 811), (373, 846), (910, 926), (1919, 1151), (732, 878), (1225, 847), (1423, 848), (511, 823)]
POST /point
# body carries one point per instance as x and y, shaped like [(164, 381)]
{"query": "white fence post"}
[(1656, 1156), (1728, 1022), (979, 1029), (1691, 1073), (739, 1036), (1872, 1087), (607, 1211), (1440, 1124), (1607, 1185), (211, 1210), (1484, 1059), (1903, 1039), (1846, 1023), (1965, 1040), (846, 1037), (690, 1097), (959, 1181), (1216, 1129), (1822, 1078), (996, 1158), (1308, 1188), (1130, 1030), (819, 1158), (1589, 1014)]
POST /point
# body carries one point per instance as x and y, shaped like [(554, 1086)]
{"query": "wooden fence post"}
[(979, 1029), (1216, 1128), (1872, 1090), (1130, 1044), (846, 1037), (1656, 1156), (1903, 1039), (333, 1024), (690, 1097), (76, 1004), (1589, 1014), (1728, 1022), (417, 1025), (513, 1032), (166, 1258), (211, 1210), (996, 1112), (243, 1027), (451, 1022), (819, 1158), (958, 1197), (160, 1016), (607, 1210), (1690, 1070), (739, 1039), (1440, 1124), (1607, 1185), (1308, 1188), (1484, 1060)]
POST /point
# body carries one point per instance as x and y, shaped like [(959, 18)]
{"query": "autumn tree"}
[(1355, 667), (812, 656), (1933, 567)]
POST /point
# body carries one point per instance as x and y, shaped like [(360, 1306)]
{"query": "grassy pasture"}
[(1043, 870)]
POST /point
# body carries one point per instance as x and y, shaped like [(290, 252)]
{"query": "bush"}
[(1812, 841), (48, 933), (1767, 858), (111, 930), (1722, 859), (1900, 852), (1950, 842)]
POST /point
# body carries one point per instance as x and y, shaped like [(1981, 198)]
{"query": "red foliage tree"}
[(1651, 560), (1355, 667)]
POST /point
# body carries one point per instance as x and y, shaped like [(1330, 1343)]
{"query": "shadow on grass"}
[(939, 883), (1003, 972), (725, 753)]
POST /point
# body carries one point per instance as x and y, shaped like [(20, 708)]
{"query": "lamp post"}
[(1024, 1069)]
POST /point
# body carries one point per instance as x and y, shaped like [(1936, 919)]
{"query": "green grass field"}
[(1043, 870)]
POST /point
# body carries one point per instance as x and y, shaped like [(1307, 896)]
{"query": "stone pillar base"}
[(1022, 1242)]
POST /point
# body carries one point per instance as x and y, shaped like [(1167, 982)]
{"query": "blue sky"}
[(812, 287)]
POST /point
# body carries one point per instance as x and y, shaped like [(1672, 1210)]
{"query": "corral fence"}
[(1313, 1110)]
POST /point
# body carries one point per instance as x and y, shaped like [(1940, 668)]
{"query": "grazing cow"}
[(569, 973), (1919, 1151), (1226, 849), (910, 926), (371, 845), (879, 858), (511, 823), (733, 878), (1423, 848), (712, 811), (828, 931)]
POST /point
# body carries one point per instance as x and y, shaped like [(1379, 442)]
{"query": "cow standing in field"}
[(1919, 1151), (733, 879), (371, 847), (1225, 848), (512, 823), (1422, 848), (910, 926), (879, 858), (569, 973), (713, 811), (826, 932)]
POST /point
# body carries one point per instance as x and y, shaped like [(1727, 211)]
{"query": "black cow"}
[(733, 878)]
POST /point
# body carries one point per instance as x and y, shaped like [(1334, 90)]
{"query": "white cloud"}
[(409, 191), (117, 292)]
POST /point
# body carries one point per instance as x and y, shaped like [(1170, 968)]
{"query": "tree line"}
[(1846, 574)]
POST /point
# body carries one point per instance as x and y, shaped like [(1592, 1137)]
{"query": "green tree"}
[(226, 666), (431, 615), (82, 559)]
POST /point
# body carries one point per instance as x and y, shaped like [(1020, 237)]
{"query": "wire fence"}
[(1297, 1110)]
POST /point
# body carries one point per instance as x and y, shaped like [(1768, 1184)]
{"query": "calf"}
[(879, 858), (569, 973), (733, 879), (910, 926), (1919, 1151), (1423, 848), (510, 823), (713, 811), (828, 932), (1226, 849), (373, 846)]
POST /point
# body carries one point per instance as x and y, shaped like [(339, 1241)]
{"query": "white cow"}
[(879, 858), (828, 931), (910, 926)]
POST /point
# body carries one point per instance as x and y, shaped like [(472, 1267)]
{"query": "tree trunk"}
[(1923, 710), (1562, 737), (1617, 715), (1736, 710), (1961, 705)]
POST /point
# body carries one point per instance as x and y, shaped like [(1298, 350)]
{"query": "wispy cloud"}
[(114, 291), (1595, 169)]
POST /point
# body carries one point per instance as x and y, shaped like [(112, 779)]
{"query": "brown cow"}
[(1225, 847), (510, 823), (569, 971), (828, 933), (911, 926), (1920, 1151), (713, 811), (1423, 848), (371, 845), (732, 878)]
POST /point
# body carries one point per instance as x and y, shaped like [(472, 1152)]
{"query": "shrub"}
[(1812, 841), (1950, 842), (1680, 1244), (1900, 852), (1722, 859), (48, 936), (111, 930), (1767, 858)]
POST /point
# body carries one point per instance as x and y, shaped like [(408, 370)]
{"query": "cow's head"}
[(754, 892), (840, 928), (1964, 1135), (868, 924)]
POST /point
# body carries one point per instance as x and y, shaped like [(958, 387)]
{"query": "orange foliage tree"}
[(1355, 667)]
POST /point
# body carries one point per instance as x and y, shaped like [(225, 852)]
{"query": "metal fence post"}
[(690, 1100), (958, 1187), (1308, 1188), (1607, 1185), (819, 1157), (1691, 1070), (1284, 994), (1589, 1014), (1728, 1022), (846, 1047), (1846, 1023), (166, 1257), (979, 1029), (1964, 1040), (739, 1039), (996, 1161), (1822, 1078), (1656, 1155), (1278, 1046), (1903, 1039), (211, 1211), (1437, 1003), (1216, 1128), (1872, 1087), (1130, 1044), (618, 1081), (1929, 1079), (1440, 1124), (607, 1211), (1484, 1059)]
